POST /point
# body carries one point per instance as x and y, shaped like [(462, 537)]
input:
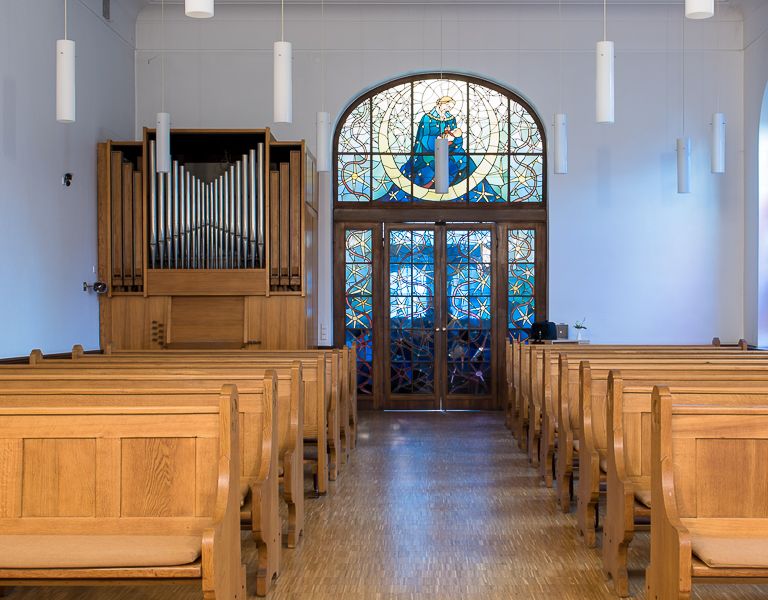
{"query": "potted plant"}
[(580, 327)]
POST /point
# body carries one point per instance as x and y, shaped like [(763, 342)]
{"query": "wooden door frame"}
[(499, 334)]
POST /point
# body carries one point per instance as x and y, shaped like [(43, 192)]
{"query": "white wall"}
[(756, 211), (640, 262), (48, 232)]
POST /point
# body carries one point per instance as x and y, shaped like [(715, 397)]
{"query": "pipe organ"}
[(218, 252)]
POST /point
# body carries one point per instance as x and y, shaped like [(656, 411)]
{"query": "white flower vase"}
[(578, 334)]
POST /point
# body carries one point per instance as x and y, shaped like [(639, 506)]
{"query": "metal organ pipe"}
[(152, 205), (208, 225), (260, 191)]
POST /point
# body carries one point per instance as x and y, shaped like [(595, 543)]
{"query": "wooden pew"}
[(709, 518), (290, 407), (566, 404), (527, 393), (592, 437), (258, 443), (129, 491), (628, 476), (320, 373)]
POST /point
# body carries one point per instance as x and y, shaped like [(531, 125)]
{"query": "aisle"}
[(444, 507)]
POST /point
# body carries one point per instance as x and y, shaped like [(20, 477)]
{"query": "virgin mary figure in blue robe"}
[(420, 167)]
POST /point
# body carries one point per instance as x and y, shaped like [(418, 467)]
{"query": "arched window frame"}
[(375, 215)]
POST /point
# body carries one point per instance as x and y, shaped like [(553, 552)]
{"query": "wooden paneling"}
[(59, 478), (274, 228), (108, 477), (10, 477), (150, 488), (138, 230), (205, 454), (207, 319), (127, 224), (128, 322), (188, 282), (295, 218), (288, 311), (285, 224), (732, 497), (116, 176)]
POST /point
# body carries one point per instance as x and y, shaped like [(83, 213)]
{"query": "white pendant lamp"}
[(198, 9), (283, 75), (163, 121), (684, 165), (163, 141), (65, 76), (699, 9), (442, 149), (323, 149), (604, 83), (718, 143), (561, 143), (323, 142)]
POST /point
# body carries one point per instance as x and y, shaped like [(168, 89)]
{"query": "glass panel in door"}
[(412, 319)]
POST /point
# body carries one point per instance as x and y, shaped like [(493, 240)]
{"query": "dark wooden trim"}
[(449, 213)]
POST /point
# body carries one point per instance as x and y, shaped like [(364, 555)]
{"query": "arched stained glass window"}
[(386, 143)]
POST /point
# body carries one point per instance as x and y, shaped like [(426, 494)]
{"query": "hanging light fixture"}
[(718, 143), (163, 121), (561, 119), (65, 76), (683, 143), (684, 165), (699, 9), (198, 9), (442, 148), (323, 142), (561, 143), (605, 74), (283, 76), (323, 118)]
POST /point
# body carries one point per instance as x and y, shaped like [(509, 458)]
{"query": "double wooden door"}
[(431, 306), (439, 316)]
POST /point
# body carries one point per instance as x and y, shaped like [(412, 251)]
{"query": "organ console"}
[(219, 251)]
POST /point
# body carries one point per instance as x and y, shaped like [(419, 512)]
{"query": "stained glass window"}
[(359, 303), (521, 304), (386, 145), (412, 311), (468, 283)]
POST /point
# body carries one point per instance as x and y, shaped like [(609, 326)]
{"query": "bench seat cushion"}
[(730, 545), (84, 551)]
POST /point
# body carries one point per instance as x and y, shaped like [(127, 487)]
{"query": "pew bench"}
[(593, 417), (259, 511), (129, 492), (321, 402), (629, 498), (709, 520)]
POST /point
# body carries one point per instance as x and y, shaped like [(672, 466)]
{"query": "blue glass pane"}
[(354, 183)]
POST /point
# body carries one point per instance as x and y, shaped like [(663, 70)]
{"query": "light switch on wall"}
[(323, 333)]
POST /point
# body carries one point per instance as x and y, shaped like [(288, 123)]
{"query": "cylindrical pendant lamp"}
[(323, 142), (561, 143), (163, 142), (198, 9), (65, 81), (442, 147), (283, 82), (699, 9), (684, 165), (605, 86), (718, 143)]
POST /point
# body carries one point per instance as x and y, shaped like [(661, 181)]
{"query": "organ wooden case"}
[(219, 252)]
